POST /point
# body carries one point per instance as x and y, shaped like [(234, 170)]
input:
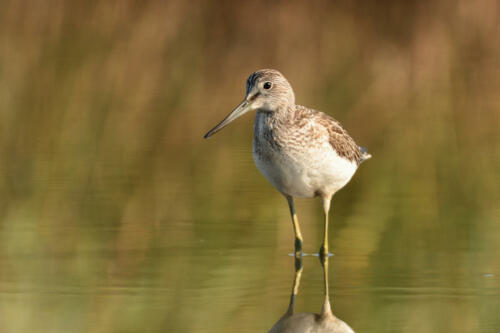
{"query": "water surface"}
[(116, 215)]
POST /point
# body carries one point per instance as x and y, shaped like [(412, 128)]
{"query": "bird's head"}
[(267, 90)]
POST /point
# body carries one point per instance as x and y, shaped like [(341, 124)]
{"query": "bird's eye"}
[(268, 85)]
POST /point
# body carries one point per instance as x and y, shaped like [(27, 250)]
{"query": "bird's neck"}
[(276, 121), (282, 114)]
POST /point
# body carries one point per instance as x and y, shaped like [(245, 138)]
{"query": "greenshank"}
[(301, 151), (323, 322)]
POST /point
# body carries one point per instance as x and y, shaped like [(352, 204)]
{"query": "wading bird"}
[(302, 152), (307, 322)]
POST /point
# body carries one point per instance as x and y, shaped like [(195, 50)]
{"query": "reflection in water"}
[(115, 216), (306, 321)]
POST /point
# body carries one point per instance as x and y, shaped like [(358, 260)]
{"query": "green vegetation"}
[(116, 215)]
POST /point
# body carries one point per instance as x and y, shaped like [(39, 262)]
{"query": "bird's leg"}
[(326, 309), (296, 284), (296, 228), (326, 208)]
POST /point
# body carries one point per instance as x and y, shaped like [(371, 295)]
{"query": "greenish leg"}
[(326, 208), (296, 228), (326, 309), (296, 284)]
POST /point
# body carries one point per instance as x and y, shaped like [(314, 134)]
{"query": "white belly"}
[(306, 173)]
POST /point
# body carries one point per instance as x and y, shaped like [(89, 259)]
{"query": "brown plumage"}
[(338, 137), (302, 152)]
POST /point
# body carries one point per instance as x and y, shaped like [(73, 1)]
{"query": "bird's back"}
[(332, 130)]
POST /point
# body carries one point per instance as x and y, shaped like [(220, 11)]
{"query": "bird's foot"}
[(298, 247), (298, 263), (323, 251)]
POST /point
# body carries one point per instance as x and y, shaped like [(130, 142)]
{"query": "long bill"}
[(240, 110)]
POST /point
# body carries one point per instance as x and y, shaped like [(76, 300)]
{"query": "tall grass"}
[(103, 105)]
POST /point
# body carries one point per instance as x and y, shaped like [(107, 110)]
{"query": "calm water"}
[(116, 216), (224, 266)]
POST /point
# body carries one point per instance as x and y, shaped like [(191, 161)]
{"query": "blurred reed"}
[(103, 105)]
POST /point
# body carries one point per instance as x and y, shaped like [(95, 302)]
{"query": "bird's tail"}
[(364, 154)]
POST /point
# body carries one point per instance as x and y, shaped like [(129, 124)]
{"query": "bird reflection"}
[(308, 322)]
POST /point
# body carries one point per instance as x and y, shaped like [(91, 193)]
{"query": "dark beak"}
[(240, 110)]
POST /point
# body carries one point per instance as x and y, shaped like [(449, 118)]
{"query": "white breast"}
[(305, 172)]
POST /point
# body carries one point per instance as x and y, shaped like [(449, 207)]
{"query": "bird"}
[(323, 322), (303, 152)]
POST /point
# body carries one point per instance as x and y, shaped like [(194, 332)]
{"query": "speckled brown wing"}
[(339, 139)]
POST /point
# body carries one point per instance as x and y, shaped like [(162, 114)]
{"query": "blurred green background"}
[(116, 216)]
